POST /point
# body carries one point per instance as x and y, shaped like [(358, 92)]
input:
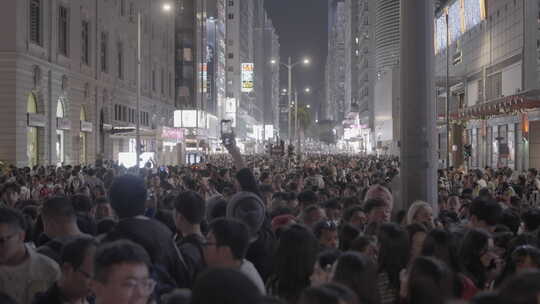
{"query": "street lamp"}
[(307, 90), (289, 65), (167, 7)]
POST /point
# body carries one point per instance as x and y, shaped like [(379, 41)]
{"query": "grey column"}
[(417, 116)]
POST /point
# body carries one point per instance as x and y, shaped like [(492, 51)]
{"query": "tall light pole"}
[(289, 65), (167, 7), (138, 130)]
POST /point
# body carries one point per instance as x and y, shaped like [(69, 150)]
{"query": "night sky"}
[(302, 27)]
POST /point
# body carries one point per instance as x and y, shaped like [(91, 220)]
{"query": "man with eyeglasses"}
[(122, 274), (23, 271), (77, 260)]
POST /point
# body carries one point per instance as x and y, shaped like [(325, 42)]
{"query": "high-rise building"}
[(335, 64), (69, 77), (387, 82)]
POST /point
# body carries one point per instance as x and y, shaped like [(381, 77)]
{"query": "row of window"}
[(123, 113), (36, 36)]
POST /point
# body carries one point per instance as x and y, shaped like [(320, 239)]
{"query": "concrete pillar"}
[(418, 106)]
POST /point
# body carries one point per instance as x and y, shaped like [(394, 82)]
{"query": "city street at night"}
[(270, 152)]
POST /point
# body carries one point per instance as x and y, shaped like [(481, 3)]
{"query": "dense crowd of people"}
[(260, 229)]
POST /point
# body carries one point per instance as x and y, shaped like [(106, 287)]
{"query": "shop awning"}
[(501, 106)]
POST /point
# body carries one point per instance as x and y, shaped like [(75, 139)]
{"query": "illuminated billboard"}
[(247, 77)]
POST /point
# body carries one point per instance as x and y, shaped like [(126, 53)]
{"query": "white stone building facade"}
[(68, 78)]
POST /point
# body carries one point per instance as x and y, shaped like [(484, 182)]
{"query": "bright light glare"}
[(284, 90), (167, 7), (307, 61), (273, 61), (308, 106), (307, 90)]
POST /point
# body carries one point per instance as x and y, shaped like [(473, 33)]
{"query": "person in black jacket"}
[(189, 211), (77, 264), (128, 196), (249, 206)]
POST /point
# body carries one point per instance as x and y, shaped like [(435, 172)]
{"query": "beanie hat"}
[(249, 208)]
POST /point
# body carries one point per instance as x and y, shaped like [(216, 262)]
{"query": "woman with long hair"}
[(357, 271), (440, 244), (429, 282), (294, 260), (393, 258), (480, 262)]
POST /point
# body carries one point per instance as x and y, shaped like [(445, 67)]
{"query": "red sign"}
[(172, 134)]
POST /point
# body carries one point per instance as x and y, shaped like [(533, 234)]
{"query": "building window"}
[(103, 49), (170, 85), (231, 3), (63, 34), (162, 82), (132, 12), (85, 43), (231, 16), (153, 80), (231, 55), (122, 8), (35, 21), (120, 60)]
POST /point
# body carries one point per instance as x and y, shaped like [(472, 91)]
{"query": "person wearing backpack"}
[(189, 211)]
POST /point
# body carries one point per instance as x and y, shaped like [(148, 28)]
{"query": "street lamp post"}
[(167, 7), (138, 131), (289, 65)]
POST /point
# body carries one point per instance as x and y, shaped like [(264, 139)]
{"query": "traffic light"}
[(467, 150)]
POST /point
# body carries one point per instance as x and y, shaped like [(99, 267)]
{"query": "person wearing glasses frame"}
[(122, 274), (77, 263)]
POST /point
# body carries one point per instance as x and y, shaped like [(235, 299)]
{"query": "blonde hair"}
[(413, 210)]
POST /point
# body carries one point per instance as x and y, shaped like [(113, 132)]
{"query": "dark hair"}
[(128, 196), (231, 233), (307, 197), (511, 220), (531, 219), (114, 253), (358, 272), (331, 204), (328, 257), (349, 212), (224, 285), (192, 206), (394, 251), (295, 257), (485, 297), (10, 187), (486, 210), (12, 217), (413, 229), (526, 251), (330, 293), (105, 225), (178, 296), (361, 243), (441, 245), (76, 250), (521, 289), (58, 207), (347, 234), (373, 203), (533, 171), (82, 203), (472, 247), (324, 226), (430, 282)]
